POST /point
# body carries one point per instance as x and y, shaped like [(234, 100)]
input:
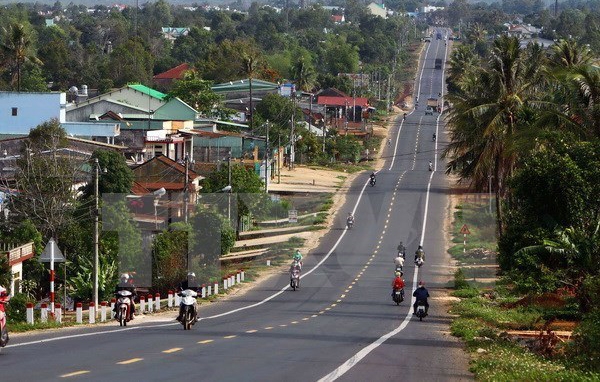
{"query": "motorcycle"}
[(419, 261), (398, 296), (398, 269), (421, 313), (372, 182), (349, 223), (189, 315), (123, 303), (295, 277), (3, 330), (430, 166), (433, 138)]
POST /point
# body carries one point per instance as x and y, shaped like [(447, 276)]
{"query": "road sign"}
[(465, 230), (51, 253), (293, 216)]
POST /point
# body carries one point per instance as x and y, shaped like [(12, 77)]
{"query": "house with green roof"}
[(132, 98)]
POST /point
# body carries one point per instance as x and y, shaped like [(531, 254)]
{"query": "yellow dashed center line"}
[(342, 296), (314, 315), (334, 304), (328, 308), (173, 350), (347, 290), (127, 362), (205, 341), (268, 328), (232, 336), (74, 373), (338, 300), (283, 325), (251, 331), (294, 322), (321, 312), (306, 319)]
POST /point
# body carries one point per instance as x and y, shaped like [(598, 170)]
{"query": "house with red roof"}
[(344, 112), (164, 80)]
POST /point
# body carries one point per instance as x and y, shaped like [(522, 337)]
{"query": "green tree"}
[(16, 48), (114, 175), (489, 117), (198, 93), (45, 179), (130, 62)]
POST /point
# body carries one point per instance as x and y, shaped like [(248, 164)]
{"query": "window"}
[(14, 111)]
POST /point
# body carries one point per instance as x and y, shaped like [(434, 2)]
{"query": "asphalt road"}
[(341, 323)]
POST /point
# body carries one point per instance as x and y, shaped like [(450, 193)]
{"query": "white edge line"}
[(356, 358), (208, 317)]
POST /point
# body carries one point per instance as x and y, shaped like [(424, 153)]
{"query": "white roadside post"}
[(170, 299), (43, 312), (157, 302), (216, 288), (92, 313), (203, 290), (103, 311), (208, 290), (150, 304), (142, 304), (57, 313), (113, 302), (79, 313), (29, 313)]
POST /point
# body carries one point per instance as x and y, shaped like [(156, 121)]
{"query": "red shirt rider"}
[(398, 283)]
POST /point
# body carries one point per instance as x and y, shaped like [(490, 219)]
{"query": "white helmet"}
[(3, 291)]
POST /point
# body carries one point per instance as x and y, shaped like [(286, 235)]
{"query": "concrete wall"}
[(21, 112)]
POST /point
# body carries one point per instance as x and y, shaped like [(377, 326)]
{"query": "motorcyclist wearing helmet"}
[(126, 283), (399, 261), (401, 249), (297, 258), (350, 218), (421, 294), (398, 282), (191, 283), (419, 253)]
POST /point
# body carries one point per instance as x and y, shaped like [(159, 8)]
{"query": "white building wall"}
[(21, 112)]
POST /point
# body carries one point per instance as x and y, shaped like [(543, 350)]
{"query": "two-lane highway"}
[(341, 323)]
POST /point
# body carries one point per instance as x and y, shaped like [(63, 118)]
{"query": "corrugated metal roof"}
[(244, 85), (148, 91)]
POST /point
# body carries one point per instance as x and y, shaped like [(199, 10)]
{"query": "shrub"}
[(16, 310), (586, 342), (589, 293), (460, 282)]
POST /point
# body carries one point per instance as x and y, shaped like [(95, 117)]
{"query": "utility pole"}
[(292, 154), (96, 213), (186, 193), (324, 127), (267, 161), (229, 194)]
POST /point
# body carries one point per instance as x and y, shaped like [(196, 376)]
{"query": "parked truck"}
[(438, 63)]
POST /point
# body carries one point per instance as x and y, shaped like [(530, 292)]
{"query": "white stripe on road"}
[(356, 358), (112, 331)]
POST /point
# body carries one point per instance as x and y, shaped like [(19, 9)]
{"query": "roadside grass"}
[(482, 323), (487, 308), (21, 327)]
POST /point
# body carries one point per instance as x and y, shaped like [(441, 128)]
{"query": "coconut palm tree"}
[(303, 72), (488, 119), (15, 47)]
